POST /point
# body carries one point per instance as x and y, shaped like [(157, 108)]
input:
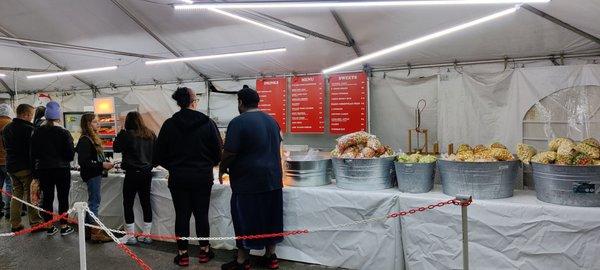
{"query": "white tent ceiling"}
[(101, 24)]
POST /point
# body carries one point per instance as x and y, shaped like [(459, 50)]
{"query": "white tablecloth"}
[(514, 233), (367, 246)]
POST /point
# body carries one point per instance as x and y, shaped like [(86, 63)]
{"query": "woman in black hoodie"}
[(51, 154), (136, 142), (189, 146)]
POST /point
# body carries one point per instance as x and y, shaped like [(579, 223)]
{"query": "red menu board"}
[(272, 98), (348, 102), (307, 104)]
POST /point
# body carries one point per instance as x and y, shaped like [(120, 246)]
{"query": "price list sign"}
[(272, 98), (348, 102), (307, 104)]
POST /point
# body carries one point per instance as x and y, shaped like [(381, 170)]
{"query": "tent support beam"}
[(28, 69), (9, 34), (561, 23), (375, 69), (142, 25), (298, 28), (40, 43), (5, 85), (346, 32)]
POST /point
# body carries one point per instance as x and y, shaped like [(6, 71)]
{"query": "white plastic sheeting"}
[(514, 233), (375, 245)]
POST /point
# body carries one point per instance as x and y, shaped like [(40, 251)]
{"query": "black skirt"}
[(259, 213)]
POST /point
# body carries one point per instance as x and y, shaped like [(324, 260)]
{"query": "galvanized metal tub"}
[(415, 177), (482, 180), (364, 174), (308, 173), (567, 185)]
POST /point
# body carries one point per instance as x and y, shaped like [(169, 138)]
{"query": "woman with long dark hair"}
[(51, 154), (92, 162), (189, 146), (136, 142)]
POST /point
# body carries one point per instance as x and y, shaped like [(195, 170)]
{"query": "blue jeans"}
[(93, 185), (6, 185)]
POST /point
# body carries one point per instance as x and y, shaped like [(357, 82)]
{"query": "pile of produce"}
[(415, 158), (481, 153), (563, 151), (360, 145)]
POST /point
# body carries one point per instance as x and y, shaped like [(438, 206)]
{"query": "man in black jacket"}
[(189, 146), (16, 138)]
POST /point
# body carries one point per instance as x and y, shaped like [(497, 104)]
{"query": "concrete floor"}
[(37, 251)]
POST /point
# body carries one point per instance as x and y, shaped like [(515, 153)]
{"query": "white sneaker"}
[(128, 240), (145, 240)]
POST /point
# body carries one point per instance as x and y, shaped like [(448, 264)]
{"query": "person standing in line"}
[(189, 146), (16, 136), (92, 163), (136, 142), (40, 116), (52, 152), (5, 119), (252, 158)]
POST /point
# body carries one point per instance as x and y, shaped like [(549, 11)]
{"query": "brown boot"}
[(99, 236)]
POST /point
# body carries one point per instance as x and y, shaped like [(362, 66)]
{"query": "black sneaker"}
[(51, 231), (234, 265), (1, 214), (20, 228), (66, 230), (206, 256), (269, 262), (182, 259)]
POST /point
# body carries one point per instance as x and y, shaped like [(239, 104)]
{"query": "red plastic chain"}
[(272, 235), (41, 225), (137, 259), (430, 207)]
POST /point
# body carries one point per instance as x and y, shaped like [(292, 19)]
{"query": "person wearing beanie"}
[(136, 142), (189, 146), (16, 138), (5, 119), (51, 153), (252, 158)]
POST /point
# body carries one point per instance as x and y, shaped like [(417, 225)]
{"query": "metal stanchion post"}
[(81, 211), (465, 230)]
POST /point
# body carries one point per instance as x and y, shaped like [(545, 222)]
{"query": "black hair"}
[(39, 113), (182, 96), (248, 97)]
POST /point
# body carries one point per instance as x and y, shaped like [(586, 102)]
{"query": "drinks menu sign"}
[(272, 98), (348, 102), (307, 104)]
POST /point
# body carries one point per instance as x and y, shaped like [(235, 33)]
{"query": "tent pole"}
[(9, 34), (561, 23), (142, 25)]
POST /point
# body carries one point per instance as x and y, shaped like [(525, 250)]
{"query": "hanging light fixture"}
[(214, 56), (407, 44), (71, 72), (344, 4)]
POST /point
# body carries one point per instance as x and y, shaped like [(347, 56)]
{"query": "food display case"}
[(111, 112)]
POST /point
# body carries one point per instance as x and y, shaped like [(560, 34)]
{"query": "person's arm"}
[(69, 147), (231, 148), (86, 154), (161, 146), (33, 152), (216, 143)]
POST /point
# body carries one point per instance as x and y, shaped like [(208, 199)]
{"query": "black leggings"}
[(187, 202), (138, 182), (61, 180)]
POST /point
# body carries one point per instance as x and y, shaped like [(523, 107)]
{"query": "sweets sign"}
[(273, 98), (348, 103), (307, 104)]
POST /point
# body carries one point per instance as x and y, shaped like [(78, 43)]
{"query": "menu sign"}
[(272, 98), (307, 104), (348, 102)]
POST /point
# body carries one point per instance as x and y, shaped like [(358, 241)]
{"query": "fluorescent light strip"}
[(188, 1), (231, 15), (205, 57), (2, 75), (376, 54), (71, 72), (342, 4)]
